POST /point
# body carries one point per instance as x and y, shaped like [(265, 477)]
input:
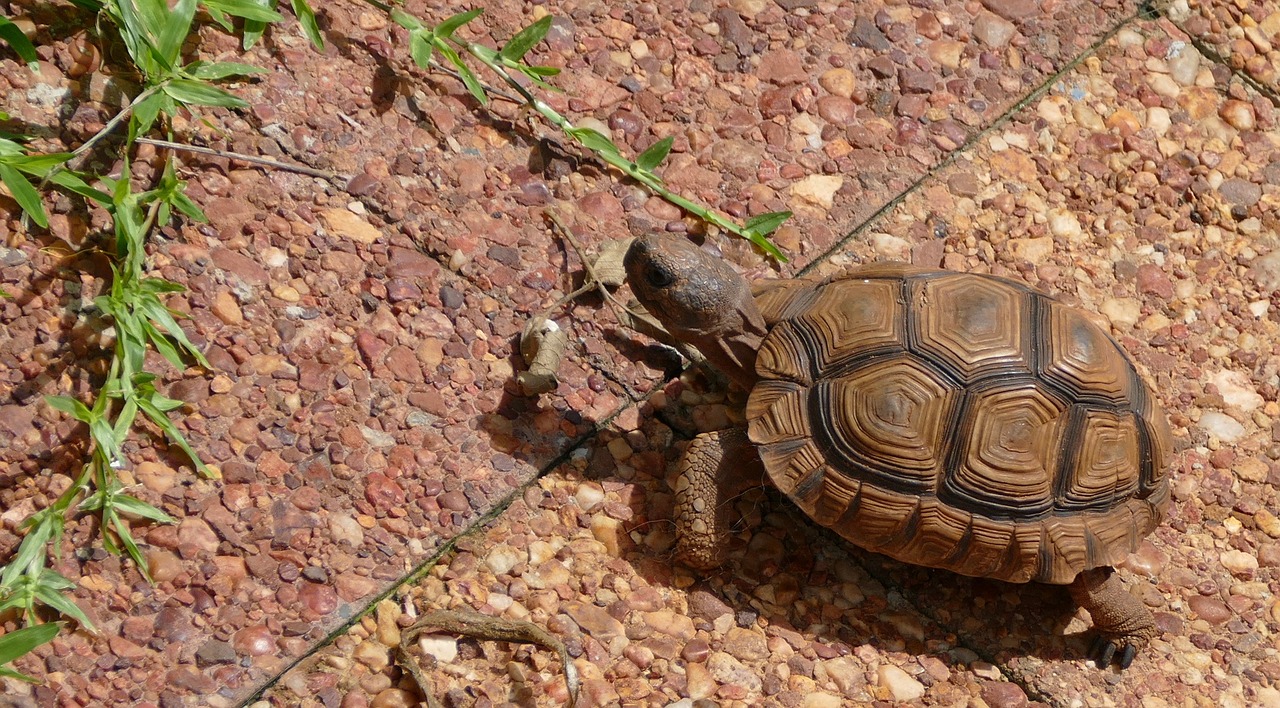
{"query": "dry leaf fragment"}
[(542, 344)]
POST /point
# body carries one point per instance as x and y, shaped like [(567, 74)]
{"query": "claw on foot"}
[(1105, 649)]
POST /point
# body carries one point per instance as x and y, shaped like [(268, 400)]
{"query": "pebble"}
[(1002, 694), (1240, 192), (1237, 390), (993, 30), (344, 224), (1221, 426), (900, 685), (1209, 609), (442, 646), (728, 670), (745, 644), (817, 190), (1123, 312), (1064, 224), (839, 82), (1238, 114), (1034, 250), (1239, 563), (502, 558)]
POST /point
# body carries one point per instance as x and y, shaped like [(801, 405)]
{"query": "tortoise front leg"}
[(717, 467), (1121, 621)]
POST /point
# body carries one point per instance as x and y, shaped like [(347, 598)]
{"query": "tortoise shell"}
[(957, 421)]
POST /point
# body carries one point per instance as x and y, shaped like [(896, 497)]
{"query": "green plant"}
[(425, 40), (153, 33)]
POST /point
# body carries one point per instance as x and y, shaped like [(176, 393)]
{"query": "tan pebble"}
[(394, 698), (372, 655), (155, 476), (900, 685), (1253, 469), (501, 559), (1159, 120), (225, 308), (1123, 312), (1164, 85), (287, 293), (1064, 224), (838, 82), (947, 53), (818, 699), (608, 531), (817, 190), (388, 633), (1237, 114), (345, 224), (590, 494), (620, 449), (1033, 250), (1239, 562), (1267, 522), (699, 683)]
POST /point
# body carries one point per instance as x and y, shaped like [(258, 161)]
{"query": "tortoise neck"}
[(733, 349)]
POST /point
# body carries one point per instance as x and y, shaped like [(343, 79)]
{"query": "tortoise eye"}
[(659, 277)]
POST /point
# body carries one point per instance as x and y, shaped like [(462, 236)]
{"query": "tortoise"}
[(949, 420)]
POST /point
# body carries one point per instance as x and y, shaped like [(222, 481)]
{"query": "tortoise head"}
[(700, 299)]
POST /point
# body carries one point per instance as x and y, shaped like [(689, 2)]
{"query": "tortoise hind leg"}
[(716, 468), (1121, 621)]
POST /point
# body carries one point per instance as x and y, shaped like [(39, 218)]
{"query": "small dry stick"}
[(473, 624), (266, 162)]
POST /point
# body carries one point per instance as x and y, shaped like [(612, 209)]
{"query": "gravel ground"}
[(362, 413)]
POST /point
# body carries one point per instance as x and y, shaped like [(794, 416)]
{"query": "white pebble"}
[(900, 684), (1221, 426)]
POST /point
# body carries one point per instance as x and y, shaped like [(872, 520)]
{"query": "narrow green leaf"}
[(73, 182), (307, 18), (526, 39), (160, 285), (71, 407), (593, 140), (247, 9), (766, 224), (153, 308), (163, 345), (20, 641), (12, 34), (404, 19), (141, 509), (253, 29), (162, 420), (62, 604), (420, 47), (195, 93), (173, 30), (31, 553), (38, 165), (212, 71), (468, 77), (655, 154), (537, 71), (192, 210), (24, 194), (451, 25), (122, 530), (6, 672)]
